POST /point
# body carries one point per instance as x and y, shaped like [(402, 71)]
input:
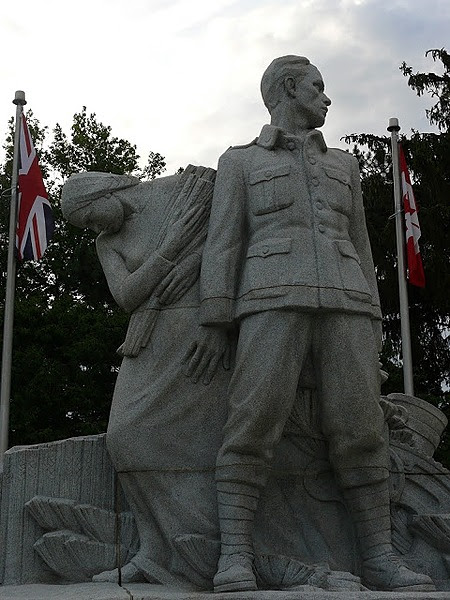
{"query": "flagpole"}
[(19, 101), (408, 381)]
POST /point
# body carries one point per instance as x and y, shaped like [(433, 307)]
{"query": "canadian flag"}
[(416, 275), (35, 223)]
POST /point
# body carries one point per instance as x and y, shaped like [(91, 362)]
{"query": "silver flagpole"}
[(8, 319), (408, 382)]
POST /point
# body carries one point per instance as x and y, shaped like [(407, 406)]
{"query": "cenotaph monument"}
[(250, 452)]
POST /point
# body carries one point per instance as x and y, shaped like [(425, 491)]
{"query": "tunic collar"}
[(272, 137)]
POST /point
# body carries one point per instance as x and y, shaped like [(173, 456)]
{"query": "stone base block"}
[(136, 591)]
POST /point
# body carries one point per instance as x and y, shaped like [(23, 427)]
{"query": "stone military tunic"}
[(288, 258), (287, 229)]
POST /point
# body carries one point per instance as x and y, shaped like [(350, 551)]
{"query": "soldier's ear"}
[(289, 86)]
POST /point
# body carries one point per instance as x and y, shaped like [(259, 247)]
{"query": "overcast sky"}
[(181, 77)]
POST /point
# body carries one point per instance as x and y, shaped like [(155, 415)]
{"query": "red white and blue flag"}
[(35, 223), (416, 275)]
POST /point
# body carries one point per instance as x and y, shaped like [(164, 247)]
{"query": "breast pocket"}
[(269, 189), (339, 190)]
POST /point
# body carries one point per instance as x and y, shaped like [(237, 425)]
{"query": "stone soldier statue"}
[(288, 260)]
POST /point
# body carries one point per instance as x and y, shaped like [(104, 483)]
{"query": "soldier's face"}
[(311, 101)]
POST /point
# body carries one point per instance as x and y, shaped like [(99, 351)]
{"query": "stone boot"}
[(387, 572), (237, 504), (235, 573), (382, 569)]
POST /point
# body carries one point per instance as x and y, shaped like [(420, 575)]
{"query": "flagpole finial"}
[(19, 98), (393, 125)]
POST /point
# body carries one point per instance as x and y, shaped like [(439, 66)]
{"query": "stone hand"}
[(180, 279), (182, 232), (205, 353)]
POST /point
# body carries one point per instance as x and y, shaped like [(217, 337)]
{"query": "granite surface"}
[(109, 591)]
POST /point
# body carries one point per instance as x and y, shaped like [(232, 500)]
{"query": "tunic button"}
[(291, 145), (315, 181), (319, 205), (268, 173), (312, 160), (265, 250), (321, 228)]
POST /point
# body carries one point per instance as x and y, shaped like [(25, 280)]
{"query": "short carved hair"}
[(272, 82)]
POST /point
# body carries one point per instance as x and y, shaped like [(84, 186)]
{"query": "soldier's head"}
[(293, 83)]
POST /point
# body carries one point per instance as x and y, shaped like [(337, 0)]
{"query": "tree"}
[(438, 86), (67, 326), (428, 157)]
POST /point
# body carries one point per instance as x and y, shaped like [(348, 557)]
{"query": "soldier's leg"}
[(352, 421), (271, 350), (347, 369)]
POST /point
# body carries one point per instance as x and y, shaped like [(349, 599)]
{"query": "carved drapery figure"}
[(161, 424)]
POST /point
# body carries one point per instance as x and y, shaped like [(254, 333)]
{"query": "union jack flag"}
[(35, 223)]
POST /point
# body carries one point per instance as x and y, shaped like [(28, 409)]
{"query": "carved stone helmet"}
[(81, 189)]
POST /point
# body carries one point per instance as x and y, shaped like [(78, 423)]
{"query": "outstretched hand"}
[(204, 354), (180, 279)]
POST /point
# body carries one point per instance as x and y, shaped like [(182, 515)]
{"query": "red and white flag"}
[(35, 223), (416, 275)]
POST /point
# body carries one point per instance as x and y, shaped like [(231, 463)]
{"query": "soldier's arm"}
[(360, 239), (222, 254)]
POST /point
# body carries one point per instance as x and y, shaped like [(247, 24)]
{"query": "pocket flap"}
[(346, 248), (338, 175), (270, 246), (269, 173)]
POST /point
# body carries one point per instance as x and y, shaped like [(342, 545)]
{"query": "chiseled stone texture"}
[(84, 474), (312, 525), (78, 591), (109, 591)]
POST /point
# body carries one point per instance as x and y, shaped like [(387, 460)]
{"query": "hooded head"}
[(87, 199)]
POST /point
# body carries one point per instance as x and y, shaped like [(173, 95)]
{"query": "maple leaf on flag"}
[(416, 275), (35, 223)]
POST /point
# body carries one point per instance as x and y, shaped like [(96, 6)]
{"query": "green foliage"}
[(154, 167), (67, 326), (63, 370), (438, 86), (91, 148), (428, 158)]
